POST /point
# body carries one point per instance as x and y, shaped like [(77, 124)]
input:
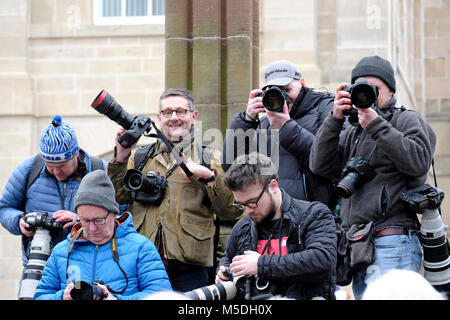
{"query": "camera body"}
[(43, 220), (146, 188), (273, 98), (422, 197), (356, 172), (83, 290), (105, 104)]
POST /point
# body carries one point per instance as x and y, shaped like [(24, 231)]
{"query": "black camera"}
[(427, 200), (105, 104), (145, 188), (362, 93), (273, 99), (83, 290), (43, 220), (40, 249), (356, 172)]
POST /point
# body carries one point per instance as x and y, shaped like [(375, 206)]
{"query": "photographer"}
[(288, 242), (47, 183), (103, 248), (181, 223), (395, 148), (294, 124)]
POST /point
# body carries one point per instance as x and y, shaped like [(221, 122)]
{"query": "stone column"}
[(212, 48)]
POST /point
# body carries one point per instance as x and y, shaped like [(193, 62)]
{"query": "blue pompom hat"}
[(58, 142)]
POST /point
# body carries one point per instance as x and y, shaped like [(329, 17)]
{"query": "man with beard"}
[(181, 224), (287, 243)]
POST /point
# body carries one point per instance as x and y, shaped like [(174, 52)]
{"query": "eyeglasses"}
[(97, 221), (250, 204), (168, 113)]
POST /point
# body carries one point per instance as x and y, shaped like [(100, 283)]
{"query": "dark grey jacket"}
[(401, 160), (308, 270), (291, 146)]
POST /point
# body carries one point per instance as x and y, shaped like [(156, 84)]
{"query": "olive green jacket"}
[(182, 222)]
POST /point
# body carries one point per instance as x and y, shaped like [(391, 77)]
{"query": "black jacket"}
[(292, 147), (400, 153), (308, 269)]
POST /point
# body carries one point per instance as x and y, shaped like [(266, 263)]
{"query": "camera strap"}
[(77, 231), (175, 154)]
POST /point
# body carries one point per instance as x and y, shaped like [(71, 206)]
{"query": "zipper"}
[(94, 265)]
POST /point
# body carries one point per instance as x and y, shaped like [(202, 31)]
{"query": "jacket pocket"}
[(384, 201), (197, 227)]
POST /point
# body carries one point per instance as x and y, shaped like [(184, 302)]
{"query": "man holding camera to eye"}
[(294, 113), (103, 250), (283, 246), (181, 222), (386, 151)]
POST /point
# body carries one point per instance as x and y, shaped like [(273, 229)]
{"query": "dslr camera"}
[(40, 249), (105, 104), (146, 188), (273, 98), (44, 221), (356, 172), (83, 290), (363, 96)]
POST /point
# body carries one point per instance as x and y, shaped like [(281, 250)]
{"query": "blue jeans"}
[(392, 252)]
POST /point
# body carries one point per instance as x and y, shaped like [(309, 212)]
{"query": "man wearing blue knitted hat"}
[(46, 183)]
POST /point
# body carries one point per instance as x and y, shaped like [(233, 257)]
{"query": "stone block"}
[(435, 67)]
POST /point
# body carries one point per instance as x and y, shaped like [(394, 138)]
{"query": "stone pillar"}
[(212, 48)]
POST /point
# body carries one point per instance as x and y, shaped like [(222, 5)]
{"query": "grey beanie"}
[(377, 67), (97, 189)]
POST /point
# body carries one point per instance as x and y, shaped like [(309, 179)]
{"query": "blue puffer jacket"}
[(42, 196), (138, 257)]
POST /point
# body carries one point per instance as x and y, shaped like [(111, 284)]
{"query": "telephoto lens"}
[(219, 291), (105, 104)]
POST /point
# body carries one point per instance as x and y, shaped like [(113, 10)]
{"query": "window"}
[(129, 11)]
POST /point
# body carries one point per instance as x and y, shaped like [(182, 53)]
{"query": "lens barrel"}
[(105, 104), (219, 291)]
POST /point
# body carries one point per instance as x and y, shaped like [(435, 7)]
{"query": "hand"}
[(278, 119), (65, 217), (24, 226), (342, 101), (246, 264), (366, 116), (122, 153), (254, 105), (66, 294), (197, 170), (105, 289), (220, 277)]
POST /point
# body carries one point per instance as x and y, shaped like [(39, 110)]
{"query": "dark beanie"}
[(97, 189), (377, 67)]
